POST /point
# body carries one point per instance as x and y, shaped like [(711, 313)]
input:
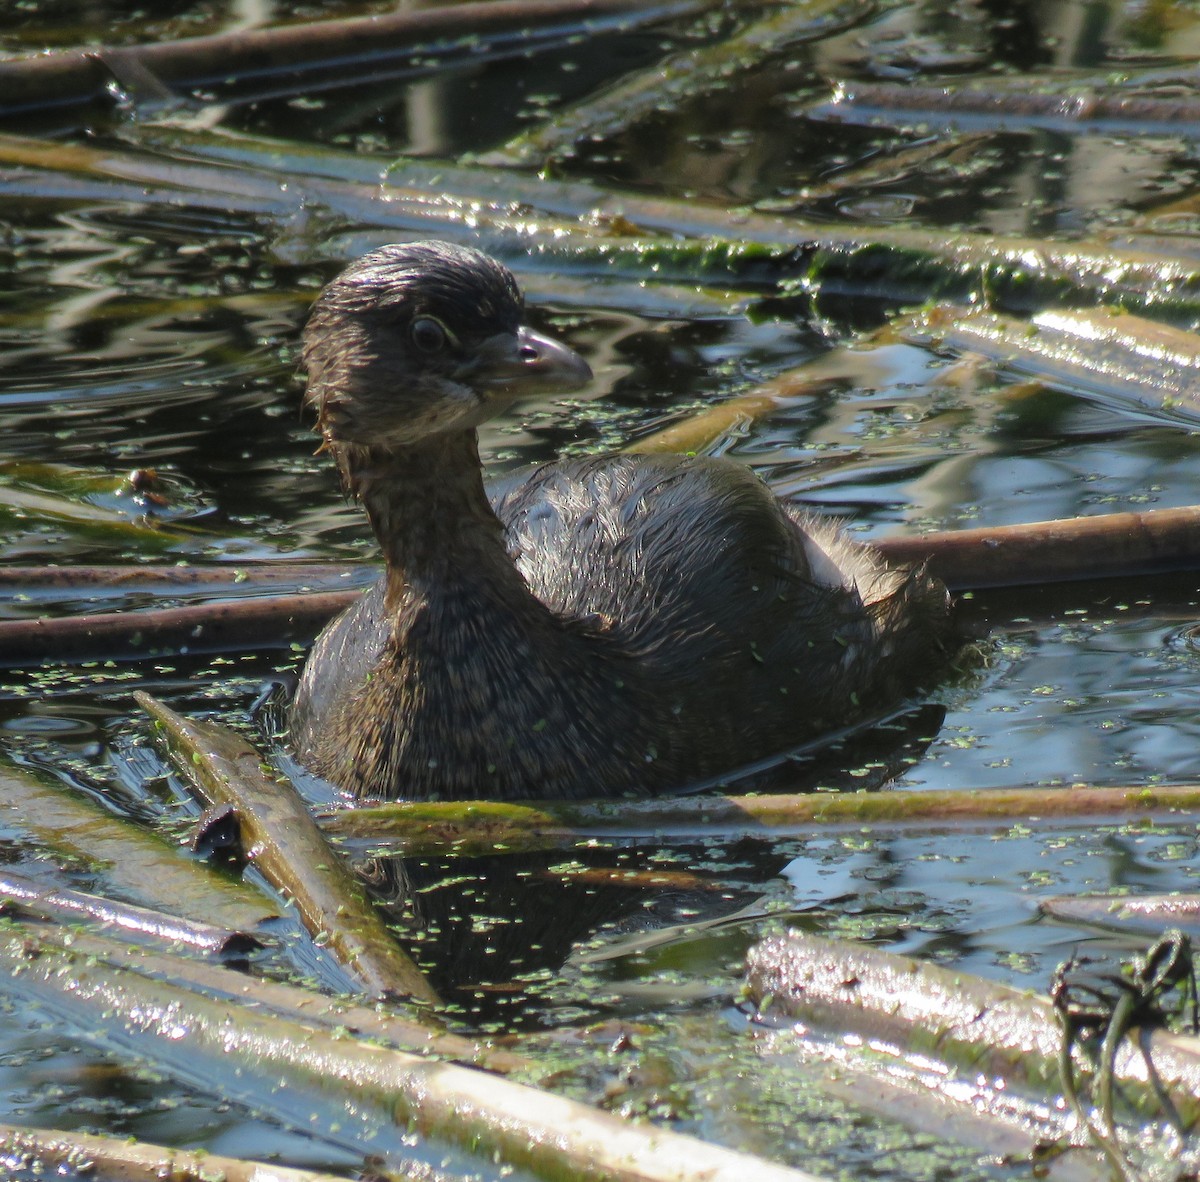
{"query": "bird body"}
[(609, 624)]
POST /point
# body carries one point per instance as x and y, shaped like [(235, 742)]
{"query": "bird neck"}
[(435, 525)]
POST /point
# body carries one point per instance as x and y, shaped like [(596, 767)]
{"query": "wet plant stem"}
[(131, 861), (1000, 108), (54, 1152), (477, 827), (347, 1091), (44, 900), (1101, 349), (194, 628), (387, 1025), (185, 578), (305, 57), (584, 230), (289, 850), (982, 1028), (696, 433), (1112, 545), (1134, 914)]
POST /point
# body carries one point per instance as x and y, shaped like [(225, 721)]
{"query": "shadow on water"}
[(493, 933)]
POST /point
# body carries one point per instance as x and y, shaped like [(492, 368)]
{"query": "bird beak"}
[(515, 365)]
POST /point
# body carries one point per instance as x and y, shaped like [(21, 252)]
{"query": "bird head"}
[(422, 338)]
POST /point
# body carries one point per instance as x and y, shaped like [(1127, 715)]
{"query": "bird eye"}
[(427, 334)]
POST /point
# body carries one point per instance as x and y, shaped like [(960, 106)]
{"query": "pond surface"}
[(141, 329)]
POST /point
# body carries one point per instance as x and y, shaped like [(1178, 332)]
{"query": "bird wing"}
[(671, 547)]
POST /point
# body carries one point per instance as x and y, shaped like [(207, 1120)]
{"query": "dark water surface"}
[(145, 334)]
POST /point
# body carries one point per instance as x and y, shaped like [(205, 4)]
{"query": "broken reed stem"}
[(1100, 349), (285, 845), (1022, 273), (476, 827), (196, 628), (296, 1004), (54, 1152), (133, 862), (863, 1078), (1136, 914), (183, 577), (348, 1091), (892, 104), (293, 57), (46, 900), (984, 1029), (1110, 546)]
